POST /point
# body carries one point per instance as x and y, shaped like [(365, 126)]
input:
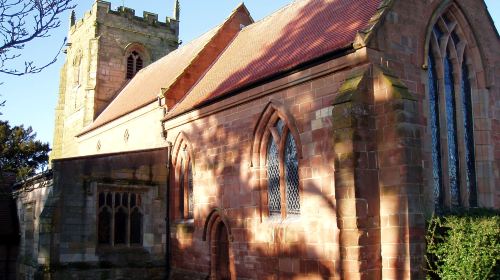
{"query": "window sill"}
[(279, 221)]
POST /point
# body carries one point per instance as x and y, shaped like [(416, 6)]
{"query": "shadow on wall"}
[(225, 178)]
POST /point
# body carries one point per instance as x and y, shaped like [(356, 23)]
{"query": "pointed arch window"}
[(450, 116), (185, 184), (134, 64), (282, 168)]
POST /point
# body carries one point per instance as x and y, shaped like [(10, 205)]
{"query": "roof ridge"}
[(214, 32)]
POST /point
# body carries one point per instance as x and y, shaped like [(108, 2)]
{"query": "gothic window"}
[(185, 183), (450, 116), (282, 168), (134, 64), (119, 217)]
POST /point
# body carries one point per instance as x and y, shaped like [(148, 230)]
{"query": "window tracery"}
[(450, 116), (120, 218), (282, 168)]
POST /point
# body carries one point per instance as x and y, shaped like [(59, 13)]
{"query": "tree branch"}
[(22, 22)]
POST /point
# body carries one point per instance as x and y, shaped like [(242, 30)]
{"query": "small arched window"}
[(282, 168), (134, 64), (450, 116)]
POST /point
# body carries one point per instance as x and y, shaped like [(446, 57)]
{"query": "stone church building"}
[(312, 144)]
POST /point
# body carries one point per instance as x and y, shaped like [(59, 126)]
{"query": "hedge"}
[(464, 245)]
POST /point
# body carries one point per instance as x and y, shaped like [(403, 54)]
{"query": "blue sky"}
[(31, 99)]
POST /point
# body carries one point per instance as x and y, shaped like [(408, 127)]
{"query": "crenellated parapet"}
[(129, 13), (102, 9)]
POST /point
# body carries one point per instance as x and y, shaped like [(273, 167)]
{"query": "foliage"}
[(20, 152), (21, 22), (464, 245)]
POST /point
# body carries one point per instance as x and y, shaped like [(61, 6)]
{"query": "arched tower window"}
[(450, 116), (279, 152), (183, 162), (134, 64)]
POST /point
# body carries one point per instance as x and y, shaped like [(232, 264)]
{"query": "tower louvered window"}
[(134, 64), (450, 117), (282, 171)]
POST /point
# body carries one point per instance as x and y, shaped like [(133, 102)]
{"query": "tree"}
[(22, 21), (20, 152)]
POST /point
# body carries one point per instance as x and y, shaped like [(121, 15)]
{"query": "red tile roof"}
[(145, 87), (295, 34)]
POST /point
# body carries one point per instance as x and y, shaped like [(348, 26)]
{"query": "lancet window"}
[(282, 166), (450, 116), (182, 160)]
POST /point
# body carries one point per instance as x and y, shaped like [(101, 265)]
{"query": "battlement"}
[(102, 9), (126, 12)]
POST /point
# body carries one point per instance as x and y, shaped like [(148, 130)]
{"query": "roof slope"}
[(145, 87), (295, 34)]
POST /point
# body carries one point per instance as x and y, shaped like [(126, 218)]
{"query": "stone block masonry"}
[(96, 65)]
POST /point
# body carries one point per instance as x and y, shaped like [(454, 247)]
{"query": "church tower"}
[(105, 49)]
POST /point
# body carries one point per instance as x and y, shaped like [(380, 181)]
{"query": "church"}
[(311, 144)]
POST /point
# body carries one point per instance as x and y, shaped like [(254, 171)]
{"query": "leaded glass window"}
[(292, 177), (273, 178), (282, 180), (119, 218), (450, 117)]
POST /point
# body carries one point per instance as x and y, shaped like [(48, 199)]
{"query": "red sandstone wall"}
[(229, 176)]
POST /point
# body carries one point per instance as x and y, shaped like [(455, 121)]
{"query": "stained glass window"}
[(436, 138), (448, 149), (451, 128), (469, 136)]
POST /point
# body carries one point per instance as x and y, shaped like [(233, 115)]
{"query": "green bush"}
[(464, 245)]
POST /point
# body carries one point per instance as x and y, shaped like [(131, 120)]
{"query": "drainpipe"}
[(167, 218)]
